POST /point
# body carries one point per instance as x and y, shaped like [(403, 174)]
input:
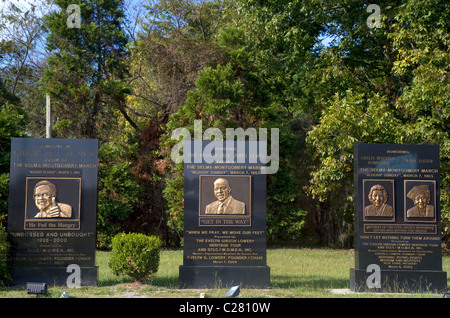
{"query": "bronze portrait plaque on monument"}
[(379, 200), (225, 200), (51, 199), (420, 198)]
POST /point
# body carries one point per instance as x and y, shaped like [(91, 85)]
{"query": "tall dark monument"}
[(397, 219), (224, 221), (52, 210)]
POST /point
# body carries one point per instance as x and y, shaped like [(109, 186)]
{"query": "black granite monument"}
[(397, 219), (52, 210), (224, 221)]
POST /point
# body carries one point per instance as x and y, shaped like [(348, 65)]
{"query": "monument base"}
[(400, 281), (224, 276), (53, 276)]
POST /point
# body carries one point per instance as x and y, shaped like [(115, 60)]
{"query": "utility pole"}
[(48, 125)]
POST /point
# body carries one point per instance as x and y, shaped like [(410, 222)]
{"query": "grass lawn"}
[(295, 273)]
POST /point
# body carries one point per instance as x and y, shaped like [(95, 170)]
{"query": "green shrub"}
[(4, 251), (135, 255)]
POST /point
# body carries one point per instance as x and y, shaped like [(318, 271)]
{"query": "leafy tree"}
[(421, 49), (87, 78), (21, 31), (231, 96), (86, 70), (18, 34), (272, 47), (178, 39), (395, 90), (12, 122), (22, 58)]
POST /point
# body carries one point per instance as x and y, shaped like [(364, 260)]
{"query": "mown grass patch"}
[(295, 273)]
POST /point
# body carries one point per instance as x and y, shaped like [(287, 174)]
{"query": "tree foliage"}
[(12, 115), (86, 71), (317, 70), (400, 94), (177, 41)]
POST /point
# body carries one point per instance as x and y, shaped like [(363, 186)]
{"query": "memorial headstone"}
[(52, 211), (224, 221), (397, 219)]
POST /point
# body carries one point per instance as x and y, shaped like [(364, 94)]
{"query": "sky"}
[(133, 8)]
